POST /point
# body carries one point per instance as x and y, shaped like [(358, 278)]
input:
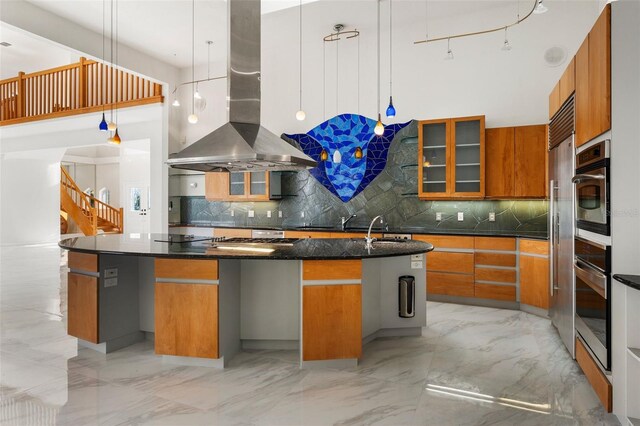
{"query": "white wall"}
[(30, 197), (108, 176)]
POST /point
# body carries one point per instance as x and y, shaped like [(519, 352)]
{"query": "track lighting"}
[(193, 119), (176, 103), (540, 8), (449, 56), (506, 46)]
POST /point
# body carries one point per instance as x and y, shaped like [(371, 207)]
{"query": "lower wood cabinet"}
[(186, 308), (534, 273), (82, 320), (599, 382), (450, 266), (232, 232), (186, 320), (495, 273)]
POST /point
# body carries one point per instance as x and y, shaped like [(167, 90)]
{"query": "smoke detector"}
[(555, 56)]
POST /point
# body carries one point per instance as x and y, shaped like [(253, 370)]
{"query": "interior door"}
[(137, 209)]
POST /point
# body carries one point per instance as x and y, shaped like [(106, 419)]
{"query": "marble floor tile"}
[(471, 366)]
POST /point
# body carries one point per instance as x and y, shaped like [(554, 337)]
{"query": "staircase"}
[(90, 214)]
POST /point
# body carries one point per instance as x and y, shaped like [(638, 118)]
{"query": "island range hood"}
[(242, 144)]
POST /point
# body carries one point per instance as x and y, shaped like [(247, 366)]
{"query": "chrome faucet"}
[(345, 220), (368, 239)]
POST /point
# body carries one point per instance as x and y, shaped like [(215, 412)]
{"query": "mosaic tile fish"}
[(353, 154)]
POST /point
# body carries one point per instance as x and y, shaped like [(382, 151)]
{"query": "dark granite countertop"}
[(632, 281), (320, 248), (537, 235)]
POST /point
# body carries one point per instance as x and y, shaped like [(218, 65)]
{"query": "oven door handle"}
[(594, 279), (583, 177)]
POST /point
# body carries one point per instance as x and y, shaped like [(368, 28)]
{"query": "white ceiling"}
[(163, 29)]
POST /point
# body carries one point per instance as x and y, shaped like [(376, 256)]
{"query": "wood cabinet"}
[(516, 159), (186, 308), (242, 186), (599, 382), (451, 156), (82, 293), (450, 265), (232, 232), (495, 274), (593, 81), (534, 273), (563, 89)]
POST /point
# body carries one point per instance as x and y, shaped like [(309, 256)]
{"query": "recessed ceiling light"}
[(555, 56), (5, 44)]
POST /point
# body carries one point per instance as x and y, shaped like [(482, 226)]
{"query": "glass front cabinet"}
[(242, 186), (451, 158)]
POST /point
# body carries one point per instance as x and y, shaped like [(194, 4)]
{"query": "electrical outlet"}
[(438, 216), (416, 257), (492, 217), (416, 265), (268, 213), (233, 213), (460, 216), (280, 213), (251, 213), (110, 282), (111, 272), (301, 214)]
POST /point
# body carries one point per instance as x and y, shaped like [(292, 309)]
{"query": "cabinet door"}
[(500, 169), (567, 83), (582, 93), (433, 159), (257, 185), (534, 281), (554, 100), (600, 75), (237, 185), (467, 154), (82, 320), (530, 161), (216, 186)]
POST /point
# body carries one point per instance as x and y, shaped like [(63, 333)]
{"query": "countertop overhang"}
[(305, 249)]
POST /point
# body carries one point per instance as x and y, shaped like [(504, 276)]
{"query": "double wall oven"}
[(592, 259)]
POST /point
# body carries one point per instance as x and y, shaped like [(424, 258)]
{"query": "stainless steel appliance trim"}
[(586, 177), (592, 342), (592, 277), (266, 233)]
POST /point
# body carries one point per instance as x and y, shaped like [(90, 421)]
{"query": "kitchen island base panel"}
[(190, 361), (534, 310), (329, 363), (393, 332), (272, 345), (114, 344)]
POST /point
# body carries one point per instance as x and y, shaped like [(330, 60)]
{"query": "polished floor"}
[(472, 366)]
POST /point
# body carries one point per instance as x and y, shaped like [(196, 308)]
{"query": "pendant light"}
[(506, 46), (379, 128), (391, 110), (300, 115), (103, 126), (176, 102), (193, 118), (449, 56), (115, 139), (111, 125), (540, 8)]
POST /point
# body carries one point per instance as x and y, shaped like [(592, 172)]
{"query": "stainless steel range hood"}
[(242, 144)]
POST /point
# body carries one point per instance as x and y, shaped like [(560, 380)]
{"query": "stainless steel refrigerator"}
[(561, 224)]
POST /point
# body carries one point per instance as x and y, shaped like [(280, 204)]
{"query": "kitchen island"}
[(202, 301)]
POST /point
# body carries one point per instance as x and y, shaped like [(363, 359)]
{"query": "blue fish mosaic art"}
[(343, 138)]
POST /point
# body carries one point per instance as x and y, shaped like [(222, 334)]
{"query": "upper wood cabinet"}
[(242, 186), (451, 158), (516, 162), (563, 89), (593, 81)]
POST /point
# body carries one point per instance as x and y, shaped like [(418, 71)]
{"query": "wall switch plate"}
[(110, 282), (460, 216), (251, 213), (438, 216), (416, 265), (233, 213), (492, 217), (111, 272), (416, 257), (268, 213), (301, 214), (280, 213)]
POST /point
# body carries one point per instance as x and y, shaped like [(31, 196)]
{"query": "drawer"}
[(450, 284), (446, 241), (306, 234), (232, 232), (495, 243), (497, 275), (461, 263), (495, 259), (332, 269), (534, 247), (186, 269), (495, 292), (83, 261)]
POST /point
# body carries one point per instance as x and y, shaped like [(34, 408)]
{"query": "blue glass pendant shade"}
[(103, 124), (391, 110)]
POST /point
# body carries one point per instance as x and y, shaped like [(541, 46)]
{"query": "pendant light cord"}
[(300, 67), (390, 48), (337, 71), (324, 80), (116, 63), (101, 74), (426, 19), (111, 59), (358, 75), (193, 55), (378, 48)]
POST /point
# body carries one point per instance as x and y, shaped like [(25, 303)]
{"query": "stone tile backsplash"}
[(392, 194)]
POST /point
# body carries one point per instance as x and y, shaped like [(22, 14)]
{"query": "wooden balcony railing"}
[(86, 86)]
